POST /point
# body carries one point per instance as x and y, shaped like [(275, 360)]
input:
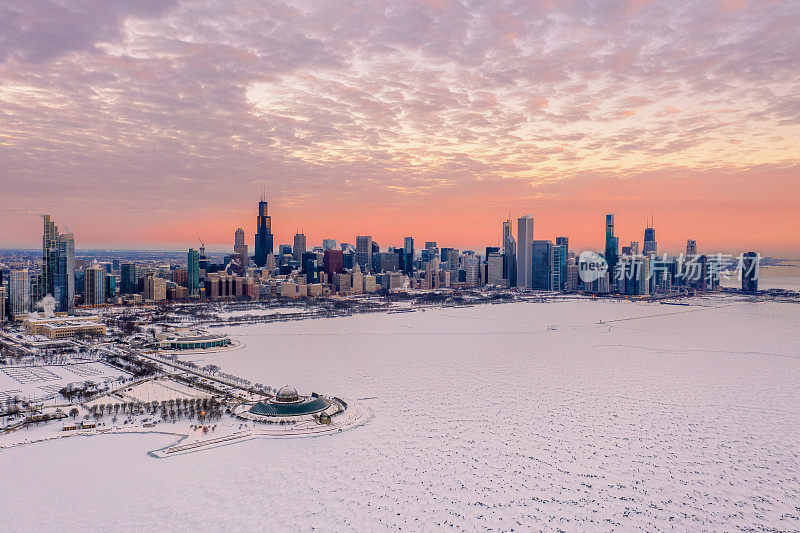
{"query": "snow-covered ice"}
[(516, 416)]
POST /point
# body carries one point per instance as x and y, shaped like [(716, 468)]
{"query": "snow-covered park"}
[(579, 415)]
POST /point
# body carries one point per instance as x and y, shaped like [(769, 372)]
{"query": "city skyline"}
[(150, 125), (673, 244), (671, 241)]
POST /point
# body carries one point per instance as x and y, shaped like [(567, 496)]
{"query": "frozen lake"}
[(516, 416)]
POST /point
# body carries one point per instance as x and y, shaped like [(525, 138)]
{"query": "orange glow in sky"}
[(148, 126)]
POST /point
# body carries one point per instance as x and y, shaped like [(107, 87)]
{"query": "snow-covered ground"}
[(43, 381), (516, 416), (259, 311)]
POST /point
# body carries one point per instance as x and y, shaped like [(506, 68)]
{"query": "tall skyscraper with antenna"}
[(263, 233), (299, 245), (650, 244)]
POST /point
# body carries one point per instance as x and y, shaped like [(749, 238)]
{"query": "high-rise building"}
[(563, 241), (633, 275), (64, 283), (111, 286), (299, 247), (573, 277), (472, 270), (507, 232), (94, 292), (612, 244), (357, 280), (431, 251), (328, 244), (691, 248), (181, 276), (263, 234), (408, 259), (193, 273), (129, 279), (559, 268), (333, 262), (79, 275), (542, 265), (364, 252), (450, 256), (2, 302), (650, 244), (19, 294), (495, 270), (525, 252), (242, 259), (155, 288), (750, 262), (509, 254), (387, 262), (49, 257)]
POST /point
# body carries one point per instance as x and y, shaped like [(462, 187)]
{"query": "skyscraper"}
[(650, 245), (450, 256), (524, 252), (299, 246), (612, 244), (94, 292), (559, 268), (128, 279), (495, 270), (64, 283), (111, 286), (472, 270), (263, 234), (750, 272), (193, 273), (633, 275), (431, 251), (240, 256), (542, 265), (408, 251), (328, 244), (19, 294), (49, 257), (364, 252), (509, 254), (333, 262), (691, 248)]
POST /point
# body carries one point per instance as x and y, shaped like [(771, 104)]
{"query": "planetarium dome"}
[(287, 395)]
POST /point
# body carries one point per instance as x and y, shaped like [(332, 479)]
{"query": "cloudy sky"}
[(149, 123)]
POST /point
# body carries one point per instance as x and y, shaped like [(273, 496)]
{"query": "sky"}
[(150, 123)]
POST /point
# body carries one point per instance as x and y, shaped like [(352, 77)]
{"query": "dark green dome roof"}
[(305, 407)]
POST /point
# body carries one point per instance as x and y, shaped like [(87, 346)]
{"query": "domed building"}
[(288, 406)]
